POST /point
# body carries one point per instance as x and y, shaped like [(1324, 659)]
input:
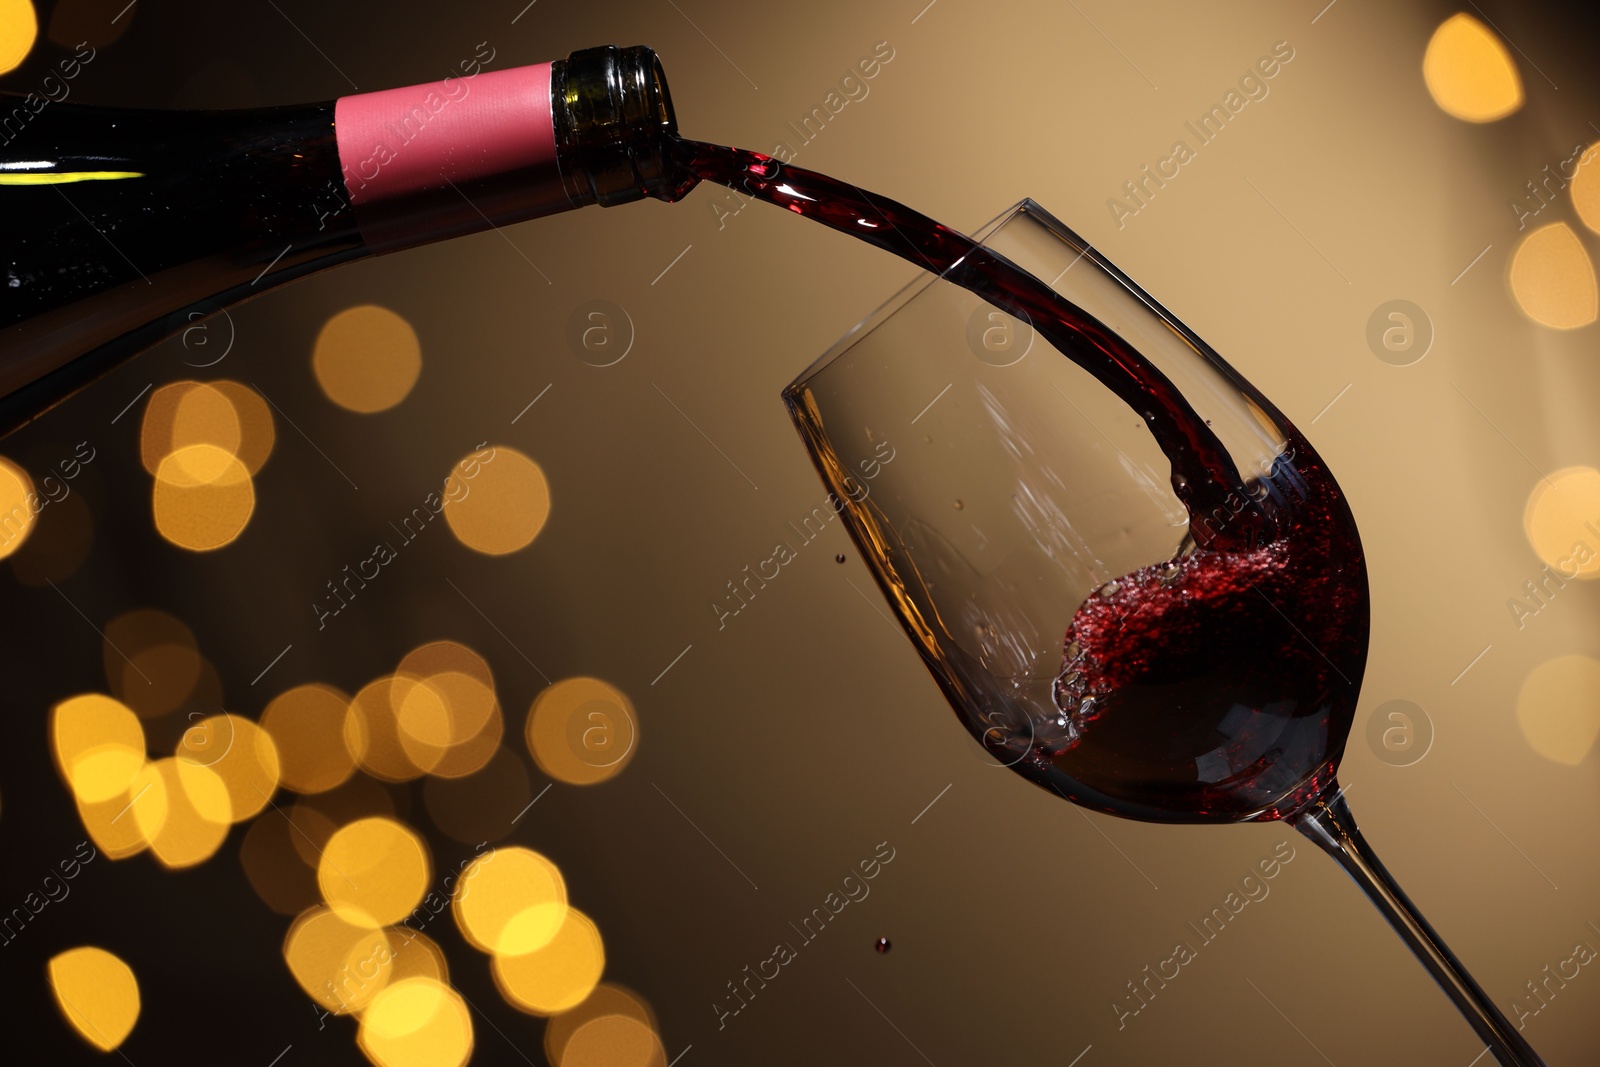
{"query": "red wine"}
[(1216, 686)]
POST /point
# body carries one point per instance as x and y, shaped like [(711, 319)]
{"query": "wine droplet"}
[(882, 944), (839, 558), (958, 505)]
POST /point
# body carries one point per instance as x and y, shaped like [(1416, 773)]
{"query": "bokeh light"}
[(17, 507), (151, 661), (1552, 279), (316, 818), (111, 826), (367, 358), (19, 28), (499, 504), (203, 497), (416, 955), (93, 22), (1558, 708), (98, 745), (450, 723), (186, 413), (1586, 187), (417, 1022), (97, 994), (182, 809), (511, 901), (613, 1041), (307, 725), (284, 882), (1562, 521), (582, 731), (607, 999), (373, 872), (464, 686), (341, 965), (372, 730), (1469, 71), (558, 976), (257, 433), (240, 753)]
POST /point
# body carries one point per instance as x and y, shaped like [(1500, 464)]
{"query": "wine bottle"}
[(123, 226)]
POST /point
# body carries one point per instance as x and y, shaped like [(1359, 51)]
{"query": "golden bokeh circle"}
[(372, 731), (180, 414), (341, 965), (367, 358), (97, 993), (1586, 187), (416, 1022), (19, 28), (499, 505), (1558, 708), (316, 818), (511, 900), (608, 998), (182, 809), (257, 434), (373, 872), (115, 833), (449, 723), (203, 497), (307, 724), (461, 679), (1552, 279), (241, 753), (582, 730), (19, 508), (151, 661), (1562, 522), (558, 976), (1470, 72), (416, 955), (614, 1041), (98, 745)]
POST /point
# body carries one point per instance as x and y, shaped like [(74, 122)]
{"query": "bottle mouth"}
[(613, 123)]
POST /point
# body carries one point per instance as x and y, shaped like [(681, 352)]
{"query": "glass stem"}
[(1328, 823)]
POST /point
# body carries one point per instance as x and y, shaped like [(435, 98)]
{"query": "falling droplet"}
[(927, 438), (1110, 588), (839, 558), (883, 944), (959, 505)]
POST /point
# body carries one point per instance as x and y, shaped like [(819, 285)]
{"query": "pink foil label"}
[(400, 142)]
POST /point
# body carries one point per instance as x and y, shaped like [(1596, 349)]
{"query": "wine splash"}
[(1216, 686)]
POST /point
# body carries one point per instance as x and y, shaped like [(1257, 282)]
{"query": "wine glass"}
[(1030, 529)]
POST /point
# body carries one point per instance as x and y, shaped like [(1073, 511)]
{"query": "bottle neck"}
[(432, 161)]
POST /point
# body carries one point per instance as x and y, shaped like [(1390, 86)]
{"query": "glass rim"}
[(1030, 209)]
